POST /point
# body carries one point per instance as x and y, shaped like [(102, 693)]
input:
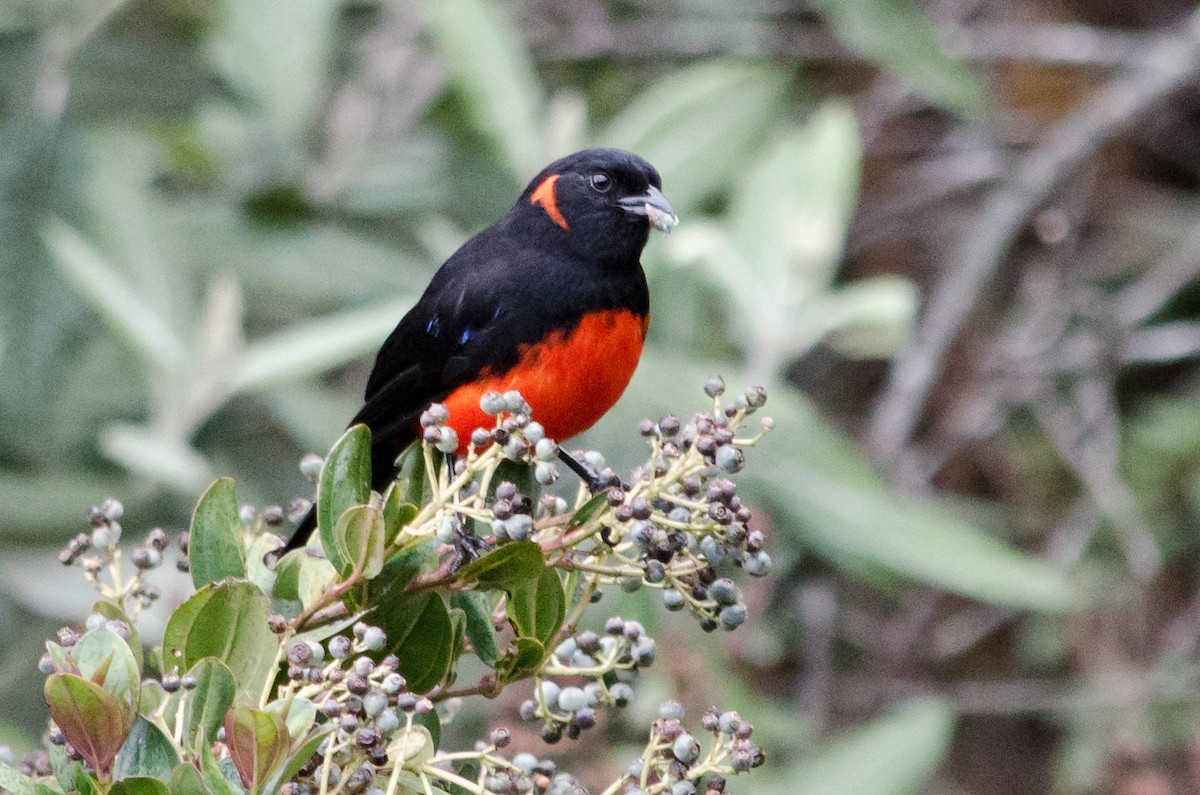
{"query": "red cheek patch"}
[(543, 195)]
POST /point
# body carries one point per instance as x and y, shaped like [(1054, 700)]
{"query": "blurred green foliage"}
[(212, 213)]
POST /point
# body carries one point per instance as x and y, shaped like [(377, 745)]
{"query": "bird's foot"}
[(465, 547), (597, 482)]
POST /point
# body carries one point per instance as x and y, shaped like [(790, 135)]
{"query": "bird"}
[(551, 301)]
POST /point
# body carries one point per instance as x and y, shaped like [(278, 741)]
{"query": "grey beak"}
[(654, 206)]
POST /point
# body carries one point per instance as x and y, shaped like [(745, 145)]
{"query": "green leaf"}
[(898, 35), (397, 514), (589, 510), (98, 283), (314, 578), (520, 475), (297, 759), (104, 658), (287, 576), (227, 621), (492, 67), (140, 785), (206, 704), (359, 536), (214, 549), (276, 60), (112, 611), (477, 607), (458, 642), (257, 570), (412, 481), (891, 755), (186, 780), (345, 482), (258, 743), (432, 724), (700, 125), (537, 606), (788, 220), (858, 527), (147, 751), (398, 571), (70, 774), (410, 750), (64, 663), (17, 783), (520, 661), (314, 347), (90, 718), (299, 714), (505, 567), (218, 779), (419, 633), (153, 696)]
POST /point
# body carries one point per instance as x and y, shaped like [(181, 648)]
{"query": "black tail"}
[(383, 469)]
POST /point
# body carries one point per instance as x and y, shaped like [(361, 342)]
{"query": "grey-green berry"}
[(686, 748), (492, 403), (730, 458)]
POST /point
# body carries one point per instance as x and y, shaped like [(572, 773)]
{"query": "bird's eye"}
[(601, 181)]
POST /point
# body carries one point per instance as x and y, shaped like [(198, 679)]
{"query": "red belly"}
[(570, 379)]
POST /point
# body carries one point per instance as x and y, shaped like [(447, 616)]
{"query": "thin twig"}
[(972, 266)]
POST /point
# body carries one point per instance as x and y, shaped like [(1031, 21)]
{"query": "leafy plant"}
[(326, 673)]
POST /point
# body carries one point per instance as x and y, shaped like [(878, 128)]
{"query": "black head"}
[(602, 201)]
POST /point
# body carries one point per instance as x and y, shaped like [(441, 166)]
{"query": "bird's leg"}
[(467, 546), (596, 484), (594, 481)]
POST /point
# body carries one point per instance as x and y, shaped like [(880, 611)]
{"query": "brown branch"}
[(972, 265)]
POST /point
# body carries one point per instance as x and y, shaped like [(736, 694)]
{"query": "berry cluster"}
[(681, 521), (367, 702), (376, 732), (571, 710), (98, 553), (674, 761)]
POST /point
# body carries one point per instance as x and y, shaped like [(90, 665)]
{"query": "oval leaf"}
[(505, 567), (112, 611), (105, 658), (537, 607), (229, 622), (589, 510), (186, 780), (520, 661), (299, 714), (419, 633), (139, 785), (892, 755), (258, 742), (397, 513), (477, 607), (214, 551), (17, 783), (209, 700), (345, 482), (90, 718), (147, 751), (359, 536)]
